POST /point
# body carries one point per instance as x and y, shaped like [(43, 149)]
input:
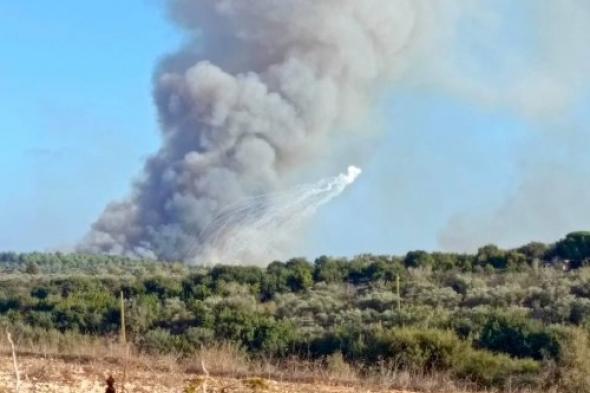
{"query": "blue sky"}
[(77, 116), (77, 121)]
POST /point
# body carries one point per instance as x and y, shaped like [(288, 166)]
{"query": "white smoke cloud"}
[(260, 88)]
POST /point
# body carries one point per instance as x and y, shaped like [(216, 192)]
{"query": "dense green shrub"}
[(159, 341), (417, 349), (427, 350), (488, 369), (518, 336)]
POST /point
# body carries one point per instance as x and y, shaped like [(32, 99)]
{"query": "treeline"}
[(497, 317), (572, 252)]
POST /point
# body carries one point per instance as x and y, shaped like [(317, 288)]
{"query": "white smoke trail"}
[(252, 228)]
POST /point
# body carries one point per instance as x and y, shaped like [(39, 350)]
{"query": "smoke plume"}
[(258, 92)]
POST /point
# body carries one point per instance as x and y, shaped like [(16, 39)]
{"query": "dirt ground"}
[(46, 375)]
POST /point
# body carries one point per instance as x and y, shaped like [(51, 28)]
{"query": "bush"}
[(489, 369), (517, 336), (417, 349), (440, 350), (198, 336), (161, 341), (256, 332), (427, 350), (156, 341)]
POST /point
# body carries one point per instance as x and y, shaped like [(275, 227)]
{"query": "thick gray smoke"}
[(258, 92)]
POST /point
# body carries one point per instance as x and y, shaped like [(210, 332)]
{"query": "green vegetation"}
[(516, 317)]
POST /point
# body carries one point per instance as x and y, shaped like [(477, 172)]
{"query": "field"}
[(53, 374)]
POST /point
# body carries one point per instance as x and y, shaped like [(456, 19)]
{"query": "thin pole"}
[(399, 299), (123, 332)]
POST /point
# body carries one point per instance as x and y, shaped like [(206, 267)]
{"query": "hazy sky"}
[(486, 142)]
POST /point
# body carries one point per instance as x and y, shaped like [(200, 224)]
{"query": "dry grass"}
[(64, 376), (85, 367)]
